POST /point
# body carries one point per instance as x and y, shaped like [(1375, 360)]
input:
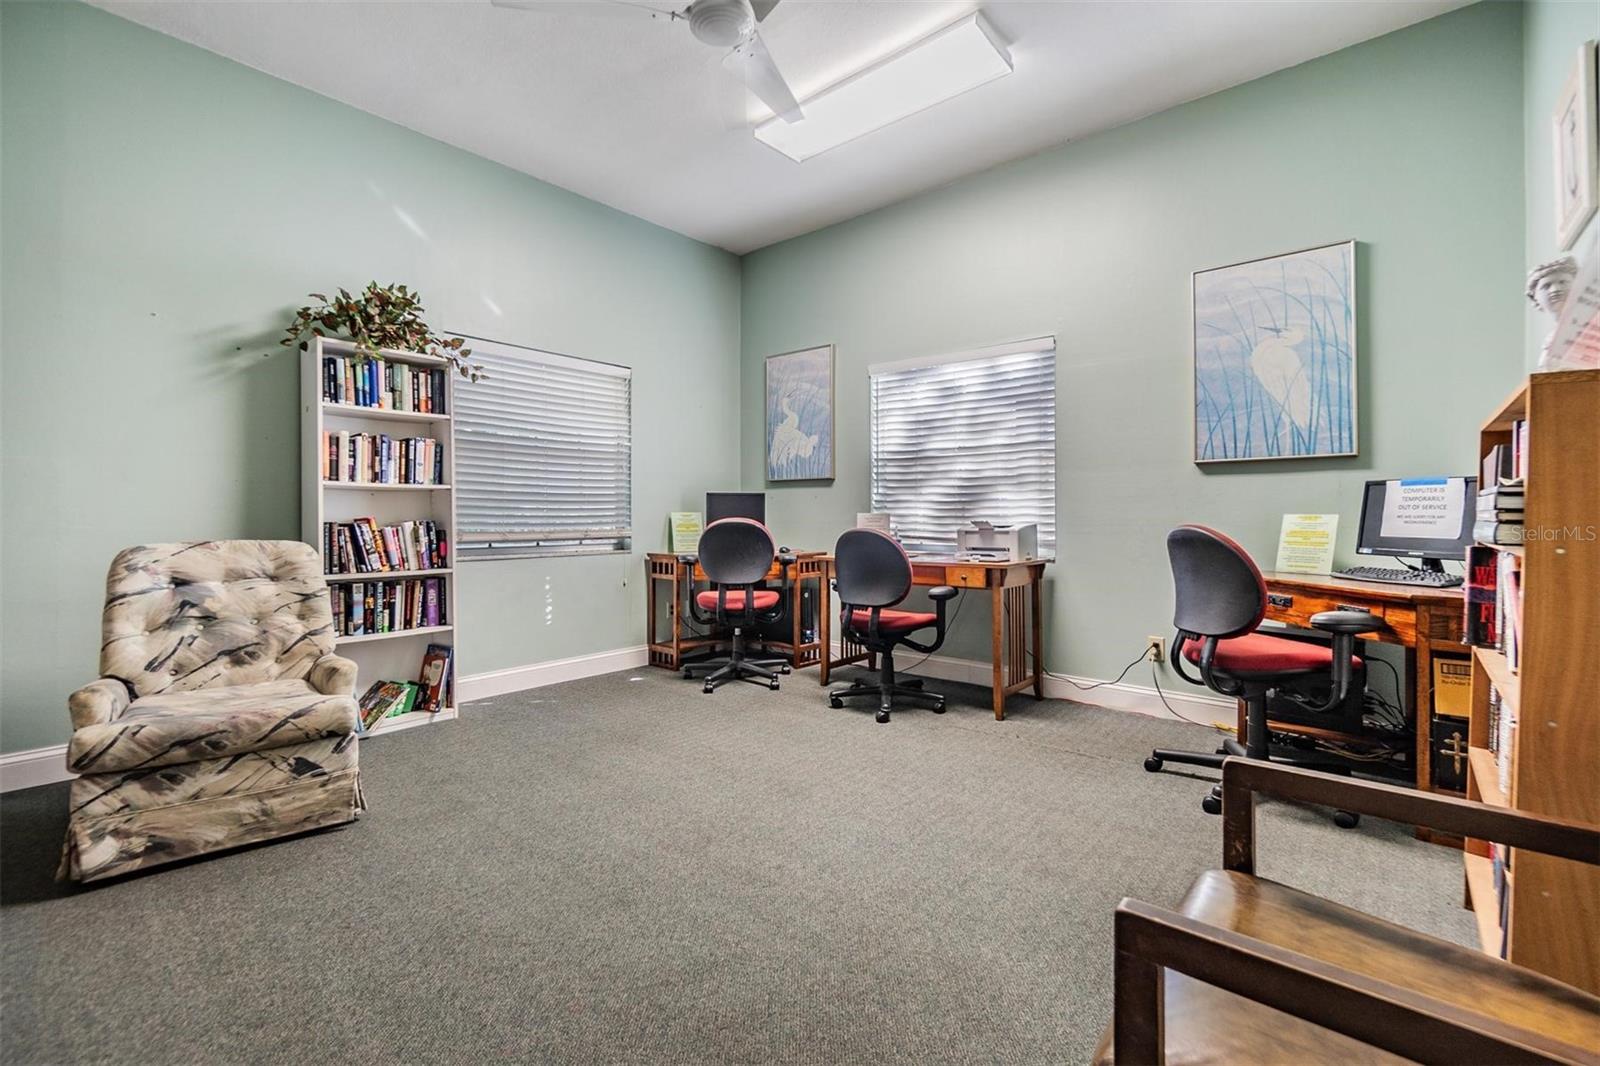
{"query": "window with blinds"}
[(544, 455), (963, 438)]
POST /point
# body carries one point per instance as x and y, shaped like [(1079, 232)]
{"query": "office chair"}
[(871, 574), (736, 554), (1220, 599)]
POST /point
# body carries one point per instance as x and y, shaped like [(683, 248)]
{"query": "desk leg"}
[(997, 598), (824, 623), (1038, 642)]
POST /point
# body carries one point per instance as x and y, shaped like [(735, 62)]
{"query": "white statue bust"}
[(1548, 285)]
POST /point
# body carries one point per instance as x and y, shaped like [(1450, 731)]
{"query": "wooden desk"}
[(669, 583), (1423, 621), (1016, 630)]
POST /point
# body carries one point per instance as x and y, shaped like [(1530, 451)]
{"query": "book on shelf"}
[(1508, 534), (436, 679), (1478, 596), (377, 458), (1508, 607), (1502, 464), (365, 608), (361, 546), (386, 699), (374, 381), (1501, 504)]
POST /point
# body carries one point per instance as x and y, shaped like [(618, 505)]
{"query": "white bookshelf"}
[(393, 656)]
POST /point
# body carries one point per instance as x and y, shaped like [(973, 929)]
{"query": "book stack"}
[(362, 608), (364, 547), (379, 459), (1500, 489), (387, 699), (1500, 513), (372, 381)]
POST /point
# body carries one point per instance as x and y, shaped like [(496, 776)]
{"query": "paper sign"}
[(1305, 546), (686, 527), (1424, 509)]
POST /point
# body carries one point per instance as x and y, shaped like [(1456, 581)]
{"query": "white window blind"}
[(967, 437), (544, 454)]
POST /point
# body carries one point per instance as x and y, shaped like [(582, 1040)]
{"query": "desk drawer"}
[(1296, 608), (959, 577)]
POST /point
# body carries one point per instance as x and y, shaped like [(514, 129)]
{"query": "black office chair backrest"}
[(870, 569), (736, 551), (1219, 592)]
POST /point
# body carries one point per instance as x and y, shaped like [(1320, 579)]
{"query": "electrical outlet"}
[(1156, 649)]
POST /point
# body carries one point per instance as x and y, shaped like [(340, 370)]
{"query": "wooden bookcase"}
[(393, 656), (1552, 913)]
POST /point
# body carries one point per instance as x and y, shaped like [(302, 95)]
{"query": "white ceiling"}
[(634, 112)]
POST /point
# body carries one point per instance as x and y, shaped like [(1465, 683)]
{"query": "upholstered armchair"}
[(221, 716)]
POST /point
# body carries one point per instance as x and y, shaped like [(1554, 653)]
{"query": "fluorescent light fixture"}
[(945, 64)]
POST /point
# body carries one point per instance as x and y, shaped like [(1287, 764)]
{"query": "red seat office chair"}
[(736, 554), (871, 574), (1220, 599)]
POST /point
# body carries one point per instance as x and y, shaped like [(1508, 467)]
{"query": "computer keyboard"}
[(1429, 578)]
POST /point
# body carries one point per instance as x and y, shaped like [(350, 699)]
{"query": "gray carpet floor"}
[(622, 869)]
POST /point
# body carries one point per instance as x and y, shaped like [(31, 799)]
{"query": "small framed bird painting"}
[(1275, 357), (800, 415)]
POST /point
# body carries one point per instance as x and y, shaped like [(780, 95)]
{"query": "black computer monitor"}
[(1418, 518), (721, 505)]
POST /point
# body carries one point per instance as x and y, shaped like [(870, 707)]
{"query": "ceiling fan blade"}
[(754, 64), (591, 7), (762, 8)]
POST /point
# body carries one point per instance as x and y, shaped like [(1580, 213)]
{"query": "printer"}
[(985, 542)]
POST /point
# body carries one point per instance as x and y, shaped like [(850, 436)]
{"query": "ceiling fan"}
[(723, 24)]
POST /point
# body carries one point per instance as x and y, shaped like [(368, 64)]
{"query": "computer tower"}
[(1289, 703)]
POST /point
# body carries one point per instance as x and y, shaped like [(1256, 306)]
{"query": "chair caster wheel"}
[(1346, 819), (1153, 764), (785, 669), (688, 674), (883, 717), (835, 702), (773, 685), (709, 689), (1211, 805), (938, 708)]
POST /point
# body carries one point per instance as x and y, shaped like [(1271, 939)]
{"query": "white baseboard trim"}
[(36, 766), (1117, 696), (537, 675)]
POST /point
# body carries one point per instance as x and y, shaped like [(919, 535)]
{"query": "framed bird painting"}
[(1275, 357), (800, 415)]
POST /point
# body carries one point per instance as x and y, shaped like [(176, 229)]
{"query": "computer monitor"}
[(721, 505), (1418, 518)]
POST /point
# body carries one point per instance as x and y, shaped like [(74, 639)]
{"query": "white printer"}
[(986, 542)]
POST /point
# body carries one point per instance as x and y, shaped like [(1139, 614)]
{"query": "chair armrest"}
[(333, 675), (1400, 1020), (1346, 622), (788, 558), (940, 593), (98, 702), (1244, 779)]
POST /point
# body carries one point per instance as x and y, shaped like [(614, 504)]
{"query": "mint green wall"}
[(1552, 32), (1411, 143), (163, 210)]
